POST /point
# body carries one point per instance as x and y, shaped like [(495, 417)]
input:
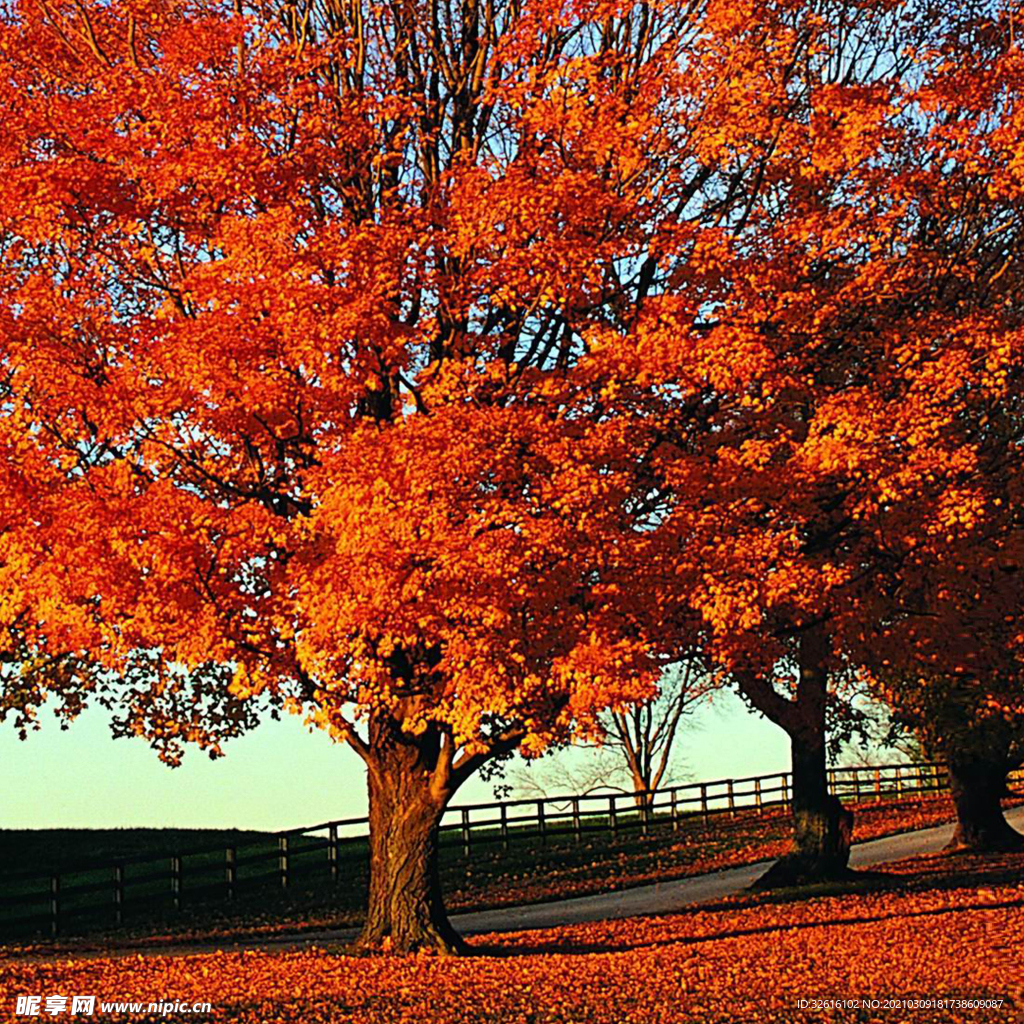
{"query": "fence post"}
[(704, 803), (576, 827), (613, 821), (54, 905), (176, 882), (230, 871), (878, 785), (784, 779), (899, 783), (332, 852), (757, 797), (832, 781), (465, 831), (118, 894), (282, 860), (856, 780), (541, 822), (732, 799), (675, 811), (504, 827)]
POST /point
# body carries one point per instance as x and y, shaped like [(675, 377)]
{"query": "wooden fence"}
[(98, 894)]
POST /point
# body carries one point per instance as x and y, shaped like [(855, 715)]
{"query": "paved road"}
[(659, 898), (664, 897)]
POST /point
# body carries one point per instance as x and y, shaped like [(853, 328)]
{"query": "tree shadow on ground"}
[(939, 872)]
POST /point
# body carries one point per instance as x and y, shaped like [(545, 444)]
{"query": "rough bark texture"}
[(822, 827), (977, 785), (406, 911)]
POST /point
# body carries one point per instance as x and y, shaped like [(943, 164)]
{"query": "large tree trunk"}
[(822, 827), (406, 909), (977, 785)]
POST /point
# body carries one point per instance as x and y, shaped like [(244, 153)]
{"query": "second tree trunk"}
[(977, 785), (822, 827)]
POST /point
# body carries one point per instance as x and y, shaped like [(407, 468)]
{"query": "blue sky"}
[(279, 776)]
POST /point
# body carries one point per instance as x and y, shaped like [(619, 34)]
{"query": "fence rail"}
[(101, 892)]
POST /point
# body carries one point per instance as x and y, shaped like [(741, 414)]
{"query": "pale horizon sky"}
[(279, 776)]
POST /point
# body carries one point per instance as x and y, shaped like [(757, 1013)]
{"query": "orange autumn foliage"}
[(322, 286), (444, 369), (863, 470), (291, 363), (837, 499)]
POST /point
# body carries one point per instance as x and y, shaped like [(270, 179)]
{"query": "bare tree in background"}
[(636, 755), (645, 736)]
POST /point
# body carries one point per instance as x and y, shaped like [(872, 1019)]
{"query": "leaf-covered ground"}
[(940, 928)]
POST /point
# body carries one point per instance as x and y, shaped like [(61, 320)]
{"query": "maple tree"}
[(445, 368), (945, 647), (328, 272), (874, 322), (946, 658), (962, 725)]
